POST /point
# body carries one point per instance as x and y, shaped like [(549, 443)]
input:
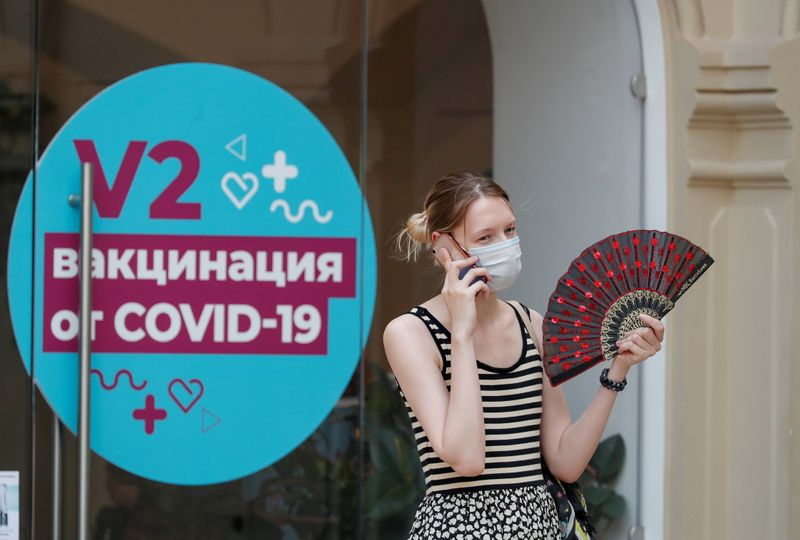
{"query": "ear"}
[(435, 236)]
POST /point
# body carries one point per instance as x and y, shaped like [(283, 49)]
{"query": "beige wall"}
[(733, 377)]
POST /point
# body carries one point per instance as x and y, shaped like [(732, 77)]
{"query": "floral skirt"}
[(516, 513)]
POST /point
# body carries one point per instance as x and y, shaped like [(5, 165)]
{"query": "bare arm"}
[(452, 420), (568, 446)]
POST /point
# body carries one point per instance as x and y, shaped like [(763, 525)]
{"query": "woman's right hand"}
[(458, 294)]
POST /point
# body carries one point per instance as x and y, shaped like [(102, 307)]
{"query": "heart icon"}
[(246, 190), (183, 395)]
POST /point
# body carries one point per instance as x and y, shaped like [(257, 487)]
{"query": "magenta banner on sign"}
[(259, 294)]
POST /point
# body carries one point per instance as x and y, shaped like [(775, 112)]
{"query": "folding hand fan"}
[(599, 299)]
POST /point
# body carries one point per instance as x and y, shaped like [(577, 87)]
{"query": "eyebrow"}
[(489, 229)]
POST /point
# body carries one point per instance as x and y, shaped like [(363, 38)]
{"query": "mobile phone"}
[(445, 241)]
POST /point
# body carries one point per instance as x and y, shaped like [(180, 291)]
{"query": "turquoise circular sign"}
[(233, 272)]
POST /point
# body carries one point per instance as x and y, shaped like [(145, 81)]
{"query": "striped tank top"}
[(512, 412)]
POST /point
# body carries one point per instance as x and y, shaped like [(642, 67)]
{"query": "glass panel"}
[(524, 107), (313, 51), (430, 113), (16, 150), (562, 88)]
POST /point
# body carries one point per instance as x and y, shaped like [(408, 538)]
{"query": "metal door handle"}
[(56, 477), (85, 348)]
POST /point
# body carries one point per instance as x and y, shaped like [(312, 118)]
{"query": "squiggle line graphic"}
[(116, 379), (301, 211)]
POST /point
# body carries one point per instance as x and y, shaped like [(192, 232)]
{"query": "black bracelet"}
[(616, 386)]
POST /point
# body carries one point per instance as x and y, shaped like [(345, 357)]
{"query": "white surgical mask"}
[(503, 260)]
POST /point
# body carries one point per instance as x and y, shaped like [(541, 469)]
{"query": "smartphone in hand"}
[(445, 241)]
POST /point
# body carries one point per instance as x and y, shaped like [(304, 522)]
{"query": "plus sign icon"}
[(233, 272), (279, 171), (149, 414)]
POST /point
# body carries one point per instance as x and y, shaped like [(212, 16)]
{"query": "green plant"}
[(394, 481), (315, 488), (604, 504)]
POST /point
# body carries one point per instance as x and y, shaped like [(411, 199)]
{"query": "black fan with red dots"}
[(599, 299)]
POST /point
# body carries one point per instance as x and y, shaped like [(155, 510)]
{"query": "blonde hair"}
[(444, 209)]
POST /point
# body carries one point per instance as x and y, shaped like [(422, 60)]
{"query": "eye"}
[(483, 238), (512, 229)]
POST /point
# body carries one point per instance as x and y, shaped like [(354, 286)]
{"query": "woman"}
[(483, 413)]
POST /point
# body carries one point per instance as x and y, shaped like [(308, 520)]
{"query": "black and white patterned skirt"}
[(517, 513)]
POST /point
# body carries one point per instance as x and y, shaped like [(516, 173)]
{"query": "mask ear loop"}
[(465, 235), (463, 249)]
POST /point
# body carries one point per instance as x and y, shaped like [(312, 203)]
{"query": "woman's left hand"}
[(640, 344)]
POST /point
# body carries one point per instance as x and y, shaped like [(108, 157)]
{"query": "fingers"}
[(656, 325), (470, 282), (451, 265), (653, 333), (642, 344), (463, 263), (633, 348), (647, 335), (473, 274), (442, 256), (479, 287)]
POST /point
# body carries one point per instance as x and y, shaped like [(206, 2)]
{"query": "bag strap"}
[(569, 498), (529, 326)]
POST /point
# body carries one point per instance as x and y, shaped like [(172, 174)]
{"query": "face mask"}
[(503, 261)]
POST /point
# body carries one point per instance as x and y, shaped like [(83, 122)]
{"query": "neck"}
[(487, 308)]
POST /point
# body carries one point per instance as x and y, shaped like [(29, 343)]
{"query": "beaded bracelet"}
[(616, 386)]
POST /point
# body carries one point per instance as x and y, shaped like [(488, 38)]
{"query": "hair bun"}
[(417, 227), (413, 237)]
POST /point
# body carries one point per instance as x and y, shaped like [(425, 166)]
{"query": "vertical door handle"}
[(85, 348), (56, 477)]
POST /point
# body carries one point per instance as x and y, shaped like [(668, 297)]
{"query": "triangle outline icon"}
[(238, 147), (209, 420)]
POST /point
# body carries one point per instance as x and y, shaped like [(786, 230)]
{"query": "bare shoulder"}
[(403, 326), (407, 341), (536, 317)]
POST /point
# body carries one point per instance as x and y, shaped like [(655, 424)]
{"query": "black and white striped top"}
[(512, 412)]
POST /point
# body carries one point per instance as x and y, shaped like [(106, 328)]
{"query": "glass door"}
[(233, 273), (245, 195), (18, 402)]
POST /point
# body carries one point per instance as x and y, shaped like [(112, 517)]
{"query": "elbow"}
[(568, 475), (571, 477), (465, 460), (472, 467), (465, 464)]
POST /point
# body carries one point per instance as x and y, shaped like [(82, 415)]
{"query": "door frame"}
[(652, 390)]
